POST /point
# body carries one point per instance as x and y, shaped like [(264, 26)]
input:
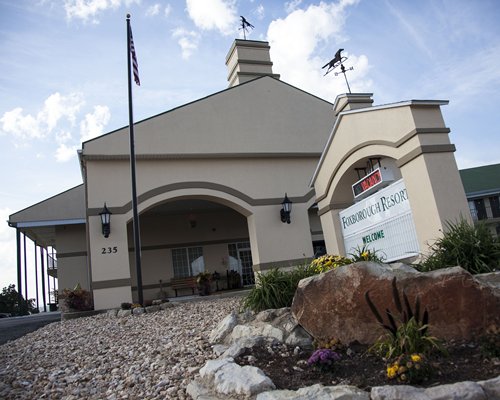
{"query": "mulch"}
[(287, 366)]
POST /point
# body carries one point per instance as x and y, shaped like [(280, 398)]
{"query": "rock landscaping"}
[(143, 356), (273, 354), (208, 350)]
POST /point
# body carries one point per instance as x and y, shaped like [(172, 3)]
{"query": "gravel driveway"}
[(148, 356)]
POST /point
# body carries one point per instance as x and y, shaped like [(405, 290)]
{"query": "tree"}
[(14, 303)]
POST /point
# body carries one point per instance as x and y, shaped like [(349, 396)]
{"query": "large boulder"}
[(333, 304)]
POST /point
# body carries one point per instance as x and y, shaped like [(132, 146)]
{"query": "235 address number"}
[(109, 250)]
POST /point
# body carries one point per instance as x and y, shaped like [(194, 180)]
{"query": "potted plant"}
[(204, 282), (76, 299)]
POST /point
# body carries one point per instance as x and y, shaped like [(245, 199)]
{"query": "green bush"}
[(471, 247), (11, 302), (411, 337), (363, 253), (275, 289)]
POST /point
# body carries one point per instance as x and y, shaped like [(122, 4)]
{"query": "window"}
[(319, 248), (188, 261), (495, 206), (240, 260), (480, 209)]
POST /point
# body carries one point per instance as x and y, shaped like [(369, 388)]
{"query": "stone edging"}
[(223, 379)]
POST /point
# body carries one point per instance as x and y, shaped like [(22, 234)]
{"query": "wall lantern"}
[(105, 215), (286, 209)]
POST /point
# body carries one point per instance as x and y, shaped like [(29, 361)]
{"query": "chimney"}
[(247, 60), (352, 101)]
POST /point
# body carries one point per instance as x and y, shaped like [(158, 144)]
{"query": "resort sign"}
[(383, 222)]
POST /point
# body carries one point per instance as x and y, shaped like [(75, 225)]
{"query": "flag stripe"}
[(135, 66)]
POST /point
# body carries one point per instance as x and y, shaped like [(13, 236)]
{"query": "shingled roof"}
[(481, 181)]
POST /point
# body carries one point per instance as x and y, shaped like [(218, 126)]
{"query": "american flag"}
[(135, 66)]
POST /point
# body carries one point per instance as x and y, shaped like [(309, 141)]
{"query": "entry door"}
[(245, 257), (241, 255)]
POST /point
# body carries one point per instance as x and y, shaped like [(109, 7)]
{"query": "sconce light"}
[(286, 209), (105, 215)]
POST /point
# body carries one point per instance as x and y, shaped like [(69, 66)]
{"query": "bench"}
[(188, 282)]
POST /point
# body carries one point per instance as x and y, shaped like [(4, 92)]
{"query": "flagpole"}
[(137, 235)]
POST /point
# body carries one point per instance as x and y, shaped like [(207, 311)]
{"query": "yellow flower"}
[(364, 254), (392, 371), (416, 358)]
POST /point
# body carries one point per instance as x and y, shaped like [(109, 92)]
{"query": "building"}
[(213, 177), (482, 188)]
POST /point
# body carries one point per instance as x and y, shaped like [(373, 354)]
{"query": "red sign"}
[(369, 181)]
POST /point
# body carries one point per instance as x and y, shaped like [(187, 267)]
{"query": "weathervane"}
[(244, 26), (335, 62)]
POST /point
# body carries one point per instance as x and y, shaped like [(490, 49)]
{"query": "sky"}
[(63, 73)]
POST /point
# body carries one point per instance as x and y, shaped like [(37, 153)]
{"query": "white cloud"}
[(307, 31), (65, 153), (291, 6), (88, 10), (93, 124), (56, 108), (54, 122), (168, 10), (188, 40), (63, 136), (19, 125), (260, 11), (214, 15), (153, 10)]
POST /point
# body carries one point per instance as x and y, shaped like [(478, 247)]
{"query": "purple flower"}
[(323, 358)]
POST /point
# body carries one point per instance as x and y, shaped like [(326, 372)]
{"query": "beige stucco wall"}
[(243, 148), (72, 257), (262, 116)]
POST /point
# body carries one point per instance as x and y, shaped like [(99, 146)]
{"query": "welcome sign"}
[(383, 222)]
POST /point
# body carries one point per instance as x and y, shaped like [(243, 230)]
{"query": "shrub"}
[(411, 335), (12, 302), (275, 289), (471, 247), (363, 253)]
